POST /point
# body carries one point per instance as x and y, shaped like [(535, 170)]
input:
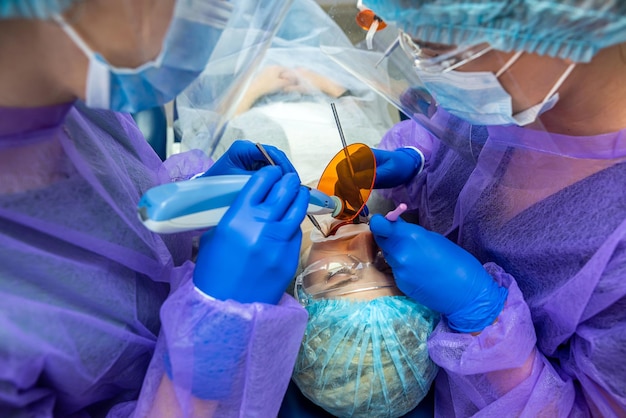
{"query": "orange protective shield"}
[(350, 176)]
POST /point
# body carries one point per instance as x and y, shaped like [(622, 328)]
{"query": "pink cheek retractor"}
[(395, 214)]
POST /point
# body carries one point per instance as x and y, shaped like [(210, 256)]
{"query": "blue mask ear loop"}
[(559, 82), (509, 63), (98, 82), (74, 36), (556, 85)]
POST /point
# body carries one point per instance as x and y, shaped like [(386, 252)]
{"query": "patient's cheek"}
[(363, 247), (326, 249)]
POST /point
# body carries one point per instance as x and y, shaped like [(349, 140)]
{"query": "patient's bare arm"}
[(310, 81), (271, 80), (276, 78)]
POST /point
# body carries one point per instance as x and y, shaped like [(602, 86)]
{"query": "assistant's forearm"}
[(166, 405), (212, 352), (501, 371)]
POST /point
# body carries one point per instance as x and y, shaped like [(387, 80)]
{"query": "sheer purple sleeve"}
[(500, 372), (97, 311), (184, 166), (219, 358)]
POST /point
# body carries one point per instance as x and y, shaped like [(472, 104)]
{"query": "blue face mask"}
[(195, 29), (479, 98)]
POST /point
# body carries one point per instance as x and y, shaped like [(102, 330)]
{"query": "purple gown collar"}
[(21, 126), (602, 146)]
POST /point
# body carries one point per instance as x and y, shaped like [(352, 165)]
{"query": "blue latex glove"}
[(439, 274), (394, 168), (243, 157), (252, 254)]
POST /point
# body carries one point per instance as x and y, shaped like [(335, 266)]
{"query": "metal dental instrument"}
[(265, 154), (388, 51), (343, 139), (345, 146), (271, 161)]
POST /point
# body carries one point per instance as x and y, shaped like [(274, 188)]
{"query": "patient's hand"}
[(309, 81), (271, 80)]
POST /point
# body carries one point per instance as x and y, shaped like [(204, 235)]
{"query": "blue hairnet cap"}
[(364, 359), (569, 29), (32, 9)]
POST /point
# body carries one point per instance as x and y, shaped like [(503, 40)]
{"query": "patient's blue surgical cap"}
[(32, 9), (569, 29), (364, 359)]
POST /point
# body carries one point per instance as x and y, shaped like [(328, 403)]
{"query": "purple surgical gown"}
[(546, 215), (92, 303)]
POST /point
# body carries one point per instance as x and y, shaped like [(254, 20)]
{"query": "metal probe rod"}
[(269, 159), (265, 154), (343, 139)]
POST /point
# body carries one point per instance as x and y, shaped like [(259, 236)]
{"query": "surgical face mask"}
[(187, 47), (366, 358), (479, 98)]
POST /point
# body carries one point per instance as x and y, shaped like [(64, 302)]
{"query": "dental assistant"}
[(99, 316), (516, 172)]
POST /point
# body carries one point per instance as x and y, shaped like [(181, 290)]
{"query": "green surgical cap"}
[(32, 9), (569, 29), (366, 358)]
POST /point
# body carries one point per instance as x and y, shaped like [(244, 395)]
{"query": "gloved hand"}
[(394, 168), (439, 274), (251, 255), (243, 157)]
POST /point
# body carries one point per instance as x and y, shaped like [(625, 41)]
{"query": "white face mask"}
[(479, 98)]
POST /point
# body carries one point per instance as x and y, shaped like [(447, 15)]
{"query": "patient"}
[(364, 352), (289, 107), (286, 102)]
